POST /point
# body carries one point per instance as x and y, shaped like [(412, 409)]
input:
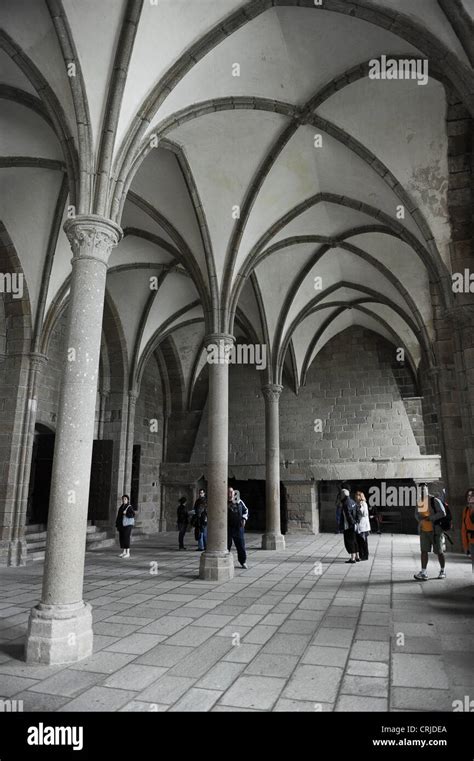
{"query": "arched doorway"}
[(40, 477)]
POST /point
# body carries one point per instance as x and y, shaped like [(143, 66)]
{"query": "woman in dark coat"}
[(125, 515)]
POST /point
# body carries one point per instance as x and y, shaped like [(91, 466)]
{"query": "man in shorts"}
[(428, 512)]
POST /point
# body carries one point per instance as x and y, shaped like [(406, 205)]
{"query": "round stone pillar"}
[(216, 562), (272, 539), (60, 626), (130, 438)]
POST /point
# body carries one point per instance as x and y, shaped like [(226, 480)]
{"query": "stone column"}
[(462, 320), (216, 562), (60, 626), (103, 395), (18, 544), (127, 476), (272, 539)]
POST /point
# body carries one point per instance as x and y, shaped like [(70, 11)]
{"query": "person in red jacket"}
[(467, 525)]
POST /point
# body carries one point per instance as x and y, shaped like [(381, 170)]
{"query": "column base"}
[(273, 542), (59, 633), (216, 566)]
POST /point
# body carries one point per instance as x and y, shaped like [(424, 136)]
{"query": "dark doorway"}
[(398, 514), (252, 492), (40, 475), (101, 480)]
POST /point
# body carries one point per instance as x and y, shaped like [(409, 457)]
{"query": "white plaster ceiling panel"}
[(305, 332), (29, 24), (95, 28), (303, 170), (195, 313), (286, 54), (275, 274), (336, 266), (248, 305), (27, 201), (405, 264), (130, 291), (61, 268), (135, 250), (165, 30), (324, 218), (406, 129), (11, 74), (429, 15), (401, 328), (188, 341), (224, 151), (175, 293), (24, 133), (160, 182), (133, 216)]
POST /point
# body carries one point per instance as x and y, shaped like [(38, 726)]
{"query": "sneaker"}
[(421, 576), (349, 561), (442, 574), (357, 560), (243, 565)]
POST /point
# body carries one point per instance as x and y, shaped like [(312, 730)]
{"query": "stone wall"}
[(356, 389)]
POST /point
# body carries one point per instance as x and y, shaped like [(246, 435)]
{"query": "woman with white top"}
[(363, 527)]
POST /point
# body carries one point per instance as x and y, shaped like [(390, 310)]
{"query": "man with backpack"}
[(237, 516), (431, 516)]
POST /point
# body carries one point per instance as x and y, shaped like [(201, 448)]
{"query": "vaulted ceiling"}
[(265, 184)]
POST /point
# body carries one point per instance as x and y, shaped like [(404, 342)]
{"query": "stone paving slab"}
[(276, 637)]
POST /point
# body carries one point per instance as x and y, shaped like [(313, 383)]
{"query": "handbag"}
[(126, 521)]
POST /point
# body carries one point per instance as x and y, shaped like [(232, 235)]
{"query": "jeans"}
[(125, 533), (237, 536), (202, 541), (363, 545), (182, 530)]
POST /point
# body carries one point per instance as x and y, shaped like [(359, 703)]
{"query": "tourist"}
[(363, 526), (428, 513), (124, 524), (375, 520), (467, 525), (349, 519), (183, 520), (199, 505), (237, 514)]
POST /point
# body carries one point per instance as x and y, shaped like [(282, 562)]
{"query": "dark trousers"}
[(182, 530), (350, 541), (363, 545), (237, 536), (124, 535)]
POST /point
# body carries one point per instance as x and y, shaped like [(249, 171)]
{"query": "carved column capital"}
[(272, 391), (92, 237), (219, 339)]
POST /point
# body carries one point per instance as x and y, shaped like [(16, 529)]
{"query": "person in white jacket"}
[(363, 527)]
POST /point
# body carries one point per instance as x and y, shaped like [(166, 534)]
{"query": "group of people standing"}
[(237, 516), (197, 520), (354, 523)]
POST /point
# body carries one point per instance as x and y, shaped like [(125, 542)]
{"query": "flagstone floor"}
[(298, 631)]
